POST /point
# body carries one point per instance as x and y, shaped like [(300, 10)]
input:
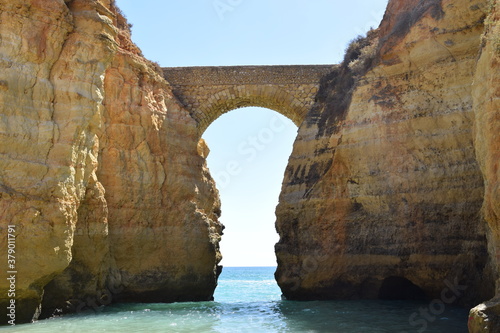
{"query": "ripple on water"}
[(276, 316), (248, 300)]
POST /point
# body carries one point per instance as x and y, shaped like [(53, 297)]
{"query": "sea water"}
[(248, 300)]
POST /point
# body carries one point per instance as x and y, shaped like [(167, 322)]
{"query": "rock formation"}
[(383, 192), (486, 92), (392, 189), (99, 169)]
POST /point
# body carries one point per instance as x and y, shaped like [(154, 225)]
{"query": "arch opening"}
[(275, 98), (250, 148)]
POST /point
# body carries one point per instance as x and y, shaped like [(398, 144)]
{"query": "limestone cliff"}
[(163, 205), (383, 192), (53, 59), (391, 191), (486, 94), (99, 168)]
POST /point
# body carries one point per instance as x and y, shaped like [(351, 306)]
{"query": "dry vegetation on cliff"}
[(125, 38), (336, 89)]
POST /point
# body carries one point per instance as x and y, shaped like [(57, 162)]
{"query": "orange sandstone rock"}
[(53, 60), (486, 93), (393, 181), (99, 168), (383, 186)]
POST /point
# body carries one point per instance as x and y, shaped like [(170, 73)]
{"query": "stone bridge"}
[(209, 92)]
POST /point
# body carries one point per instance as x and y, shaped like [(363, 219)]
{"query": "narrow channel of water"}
[(248, 300)]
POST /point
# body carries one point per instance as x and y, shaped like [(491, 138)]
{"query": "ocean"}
[(249, 300)]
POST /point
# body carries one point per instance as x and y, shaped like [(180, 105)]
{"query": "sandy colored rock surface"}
[(392, 184), (53, 59), (486, 93), (110, 199), (163, 205), (389, 186)]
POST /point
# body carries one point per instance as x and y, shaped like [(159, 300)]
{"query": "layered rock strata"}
[(162, 202), (391, 190), (99, 170), (383, 192), (486, 95)]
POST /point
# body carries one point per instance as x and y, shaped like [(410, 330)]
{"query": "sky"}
[(250, 146)]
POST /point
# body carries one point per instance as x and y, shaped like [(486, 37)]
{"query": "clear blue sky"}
[(249, 147)]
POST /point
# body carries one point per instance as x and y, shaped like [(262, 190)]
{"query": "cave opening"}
[(400, 288)]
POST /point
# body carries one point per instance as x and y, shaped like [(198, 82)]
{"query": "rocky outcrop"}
[(99, 169), (53, 59), (163, 205), (485, 92), (382, 196), (391, 190)]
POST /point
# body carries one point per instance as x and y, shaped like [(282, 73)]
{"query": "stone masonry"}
[(209, 92)]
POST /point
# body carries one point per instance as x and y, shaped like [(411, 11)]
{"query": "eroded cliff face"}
[(163, 205), (391, 190), (53, 59), (383, 193), (486, 94), (99, 170)]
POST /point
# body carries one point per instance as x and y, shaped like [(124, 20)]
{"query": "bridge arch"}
[(270, 97), (209, 92)]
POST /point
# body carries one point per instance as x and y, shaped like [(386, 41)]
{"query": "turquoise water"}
[(248, 300)]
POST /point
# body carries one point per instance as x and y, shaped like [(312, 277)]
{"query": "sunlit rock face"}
[(486, 91), (99, 168), (383, 188), (162, 202), (391, 190)]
